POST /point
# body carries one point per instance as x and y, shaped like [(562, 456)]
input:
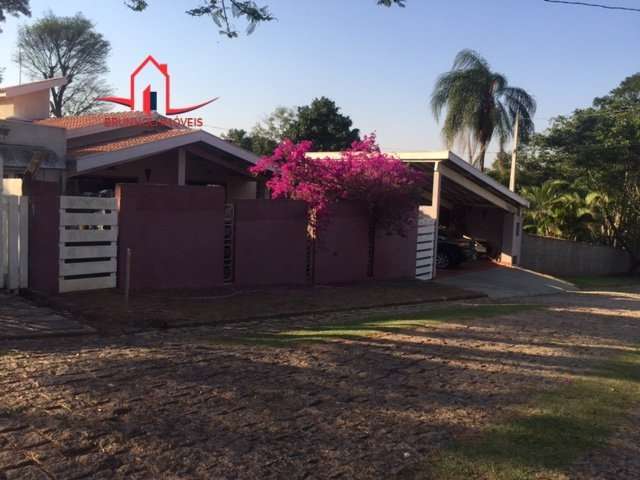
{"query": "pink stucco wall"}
[(175, 234), (342, 251), (270, 242)]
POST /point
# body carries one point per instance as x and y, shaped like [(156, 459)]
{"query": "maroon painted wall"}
[(342, 248), (270, 242), (175, 233), (44, 236), (395, 255)]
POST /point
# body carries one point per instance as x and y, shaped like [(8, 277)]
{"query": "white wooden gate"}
[(88, 243), (427, 244), (14, 242)]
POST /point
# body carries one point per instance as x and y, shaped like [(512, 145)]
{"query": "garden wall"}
[(395, 255), (176, 235), (567, 258), (342, 248), (270, 242)]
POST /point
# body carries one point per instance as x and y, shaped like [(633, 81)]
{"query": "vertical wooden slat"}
[(13, 223), (24, 242)]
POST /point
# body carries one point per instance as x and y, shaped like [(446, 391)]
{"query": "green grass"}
[(370, 327), (604, 281), (540, 439)]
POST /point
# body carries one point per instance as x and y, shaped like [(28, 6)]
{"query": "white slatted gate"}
[(88, 243), (426, 249), (14, 242)]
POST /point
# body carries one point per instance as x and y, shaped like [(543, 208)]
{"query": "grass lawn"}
[(370, 327), (604, 281), (536, 440), (539, 439)]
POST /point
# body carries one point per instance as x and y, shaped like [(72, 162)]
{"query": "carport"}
[(461, 198)]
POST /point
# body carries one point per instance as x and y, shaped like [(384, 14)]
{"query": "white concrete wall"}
[(22, 133), (34, 106)]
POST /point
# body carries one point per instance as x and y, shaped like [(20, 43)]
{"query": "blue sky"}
[(378, 64)]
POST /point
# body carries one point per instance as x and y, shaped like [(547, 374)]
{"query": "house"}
[(26, 147), (90, 154), (205, 237)]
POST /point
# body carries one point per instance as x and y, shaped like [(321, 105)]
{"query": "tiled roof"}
[(84, 121), (121, 144)]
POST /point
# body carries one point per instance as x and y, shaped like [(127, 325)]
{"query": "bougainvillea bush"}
[(389, 188)]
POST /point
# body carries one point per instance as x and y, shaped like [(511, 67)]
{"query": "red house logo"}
[(149, 97)]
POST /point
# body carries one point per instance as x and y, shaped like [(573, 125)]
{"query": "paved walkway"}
[(185, 404), (502, 282), (20, 318)]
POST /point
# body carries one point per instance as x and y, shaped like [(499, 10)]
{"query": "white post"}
[(514, 154), (435, 203), (182, 166)]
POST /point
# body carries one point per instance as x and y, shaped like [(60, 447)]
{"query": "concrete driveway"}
[(504, 282)]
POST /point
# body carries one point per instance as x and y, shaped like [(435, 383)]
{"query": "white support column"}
[(435, 202), (511, 239), (182, 166)]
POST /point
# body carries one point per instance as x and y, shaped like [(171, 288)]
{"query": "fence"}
[(426, 245), (14, 242), (88, 243), (567, 258), (181, 238)]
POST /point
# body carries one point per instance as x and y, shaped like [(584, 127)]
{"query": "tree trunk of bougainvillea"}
[(372, 248)]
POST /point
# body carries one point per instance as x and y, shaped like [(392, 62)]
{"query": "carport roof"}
[(456, 170)]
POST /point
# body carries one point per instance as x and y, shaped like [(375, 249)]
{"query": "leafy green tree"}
[(322, 123), (276, 125), (598, 148), (479, 105), (238, 137), (15, 8), (251, 141), (70, 47), (223, 12)]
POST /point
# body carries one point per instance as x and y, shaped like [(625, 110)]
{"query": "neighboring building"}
[(26, 147)]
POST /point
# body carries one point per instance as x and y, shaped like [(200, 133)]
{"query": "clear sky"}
[(378, 64)]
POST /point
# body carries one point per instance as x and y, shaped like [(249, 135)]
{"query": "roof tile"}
[(84, 121), (121, 144)]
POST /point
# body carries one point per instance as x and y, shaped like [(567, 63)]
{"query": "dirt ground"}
[(105, 310), (185, 404)]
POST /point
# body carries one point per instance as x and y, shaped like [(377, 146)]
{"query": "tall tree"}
[(15, 8), (223, 12), (322, 123), (70, 47), (479, 105), (598, 149), (275, 126)]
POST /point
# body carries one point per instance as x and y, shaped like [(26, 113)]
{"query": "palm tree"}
[(479, 105)]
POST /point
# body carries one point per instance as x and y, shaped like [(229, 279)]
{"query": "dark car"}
[(453, 251)]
